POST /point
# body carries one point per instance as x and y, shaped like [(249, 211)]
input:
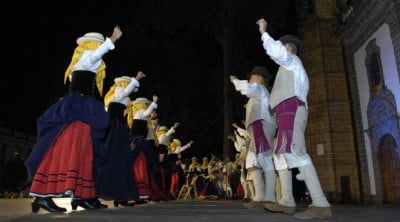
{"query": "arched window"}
[(374, 67)]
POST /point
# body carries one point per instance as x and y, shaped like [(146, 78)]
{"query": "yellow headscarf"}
[(150, 128), (78, 52), (205, 162), (110, 94), (194, 163), (131, 110), (174, 144), (160, 132)]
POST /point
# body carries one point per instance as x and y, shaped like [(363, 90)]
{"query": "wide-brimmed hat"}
[(123, 78), (177, 142), (162, 128), (91, 36), (141, 100), (291, 39), (262, 71)]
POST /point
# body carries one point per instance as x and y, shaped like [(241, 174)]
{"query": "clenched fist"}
[(262, 25)]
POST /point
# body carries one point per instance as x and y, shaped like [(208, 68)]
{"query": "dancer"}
[(142, 153), (289, 100), (164, 136), (114, 178), (175, 170), (71, 131), (260, 124), (241, 142)]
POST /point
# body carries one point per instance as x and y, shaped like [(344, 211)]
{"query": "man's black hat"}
[(291, 39), (262, 71)]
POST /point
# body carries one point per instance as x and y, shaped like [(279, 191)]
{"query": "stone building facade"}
[(14, 143), (352, 55)]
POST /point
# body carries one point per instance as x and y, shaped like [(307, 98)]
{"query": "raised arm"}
[(250, 90), (172, 130), (275, 49), (180, 149), (121, 92), (106, 45), (241, 142), (242, 132), (151, 108)]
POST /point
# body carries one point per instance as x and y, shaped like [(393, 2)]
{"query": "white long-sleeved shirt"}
[(153, 127), (240, 144), (145, 113), (91, 59), (242, 132), (166, 137), (180, 149), (121, 94), (237, 146), (256, 91), (278, 52)]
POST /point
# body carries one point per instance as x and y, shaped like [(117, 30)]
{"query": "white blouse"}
[(180, 149), (278, 52), (256, 91), (165, 138), (121, 94), (91, 59), (145, 113)]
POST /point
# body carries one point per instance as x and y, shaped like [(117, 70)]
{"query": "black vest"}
[(83, 82), (116, 112)]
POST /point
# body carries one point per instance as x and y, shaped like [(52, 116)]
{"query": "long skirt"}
[(69, 145), (67, 167), (115, 179)]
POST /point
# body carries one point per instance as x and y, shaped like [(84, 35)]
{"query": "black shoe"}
[(142, 201), (46, 203), (84, 203), (96, 202), (124, 203), (172, 196)]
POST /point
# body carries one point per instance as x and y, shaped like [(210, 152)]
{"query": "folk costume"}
[(114, 178), (143, 160), (175, 171), (260, 125), (71, 131), (289, 100), (241, 145)]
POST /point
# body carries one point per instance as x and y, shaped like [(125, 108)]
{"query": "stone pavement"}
[(219, 210)]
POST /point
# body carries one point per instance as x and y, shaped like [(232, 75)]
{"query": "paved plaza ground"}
[(218, 210)]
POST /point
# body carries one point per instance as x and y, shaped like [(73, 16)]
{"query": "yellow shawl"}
[(78, 52)]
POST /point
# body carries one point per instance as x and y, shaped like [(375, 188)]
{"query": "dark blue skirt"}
[(70, 108), (115, 178)]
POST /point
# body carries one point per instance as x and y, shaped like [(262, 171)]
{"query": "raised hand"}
[(155, 99), (232, 77), (262, 25), (176, 125), (140, 75), (117, 33)]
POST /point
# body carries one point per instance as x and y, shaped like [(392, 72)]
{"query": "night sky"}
[(174, 42)]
